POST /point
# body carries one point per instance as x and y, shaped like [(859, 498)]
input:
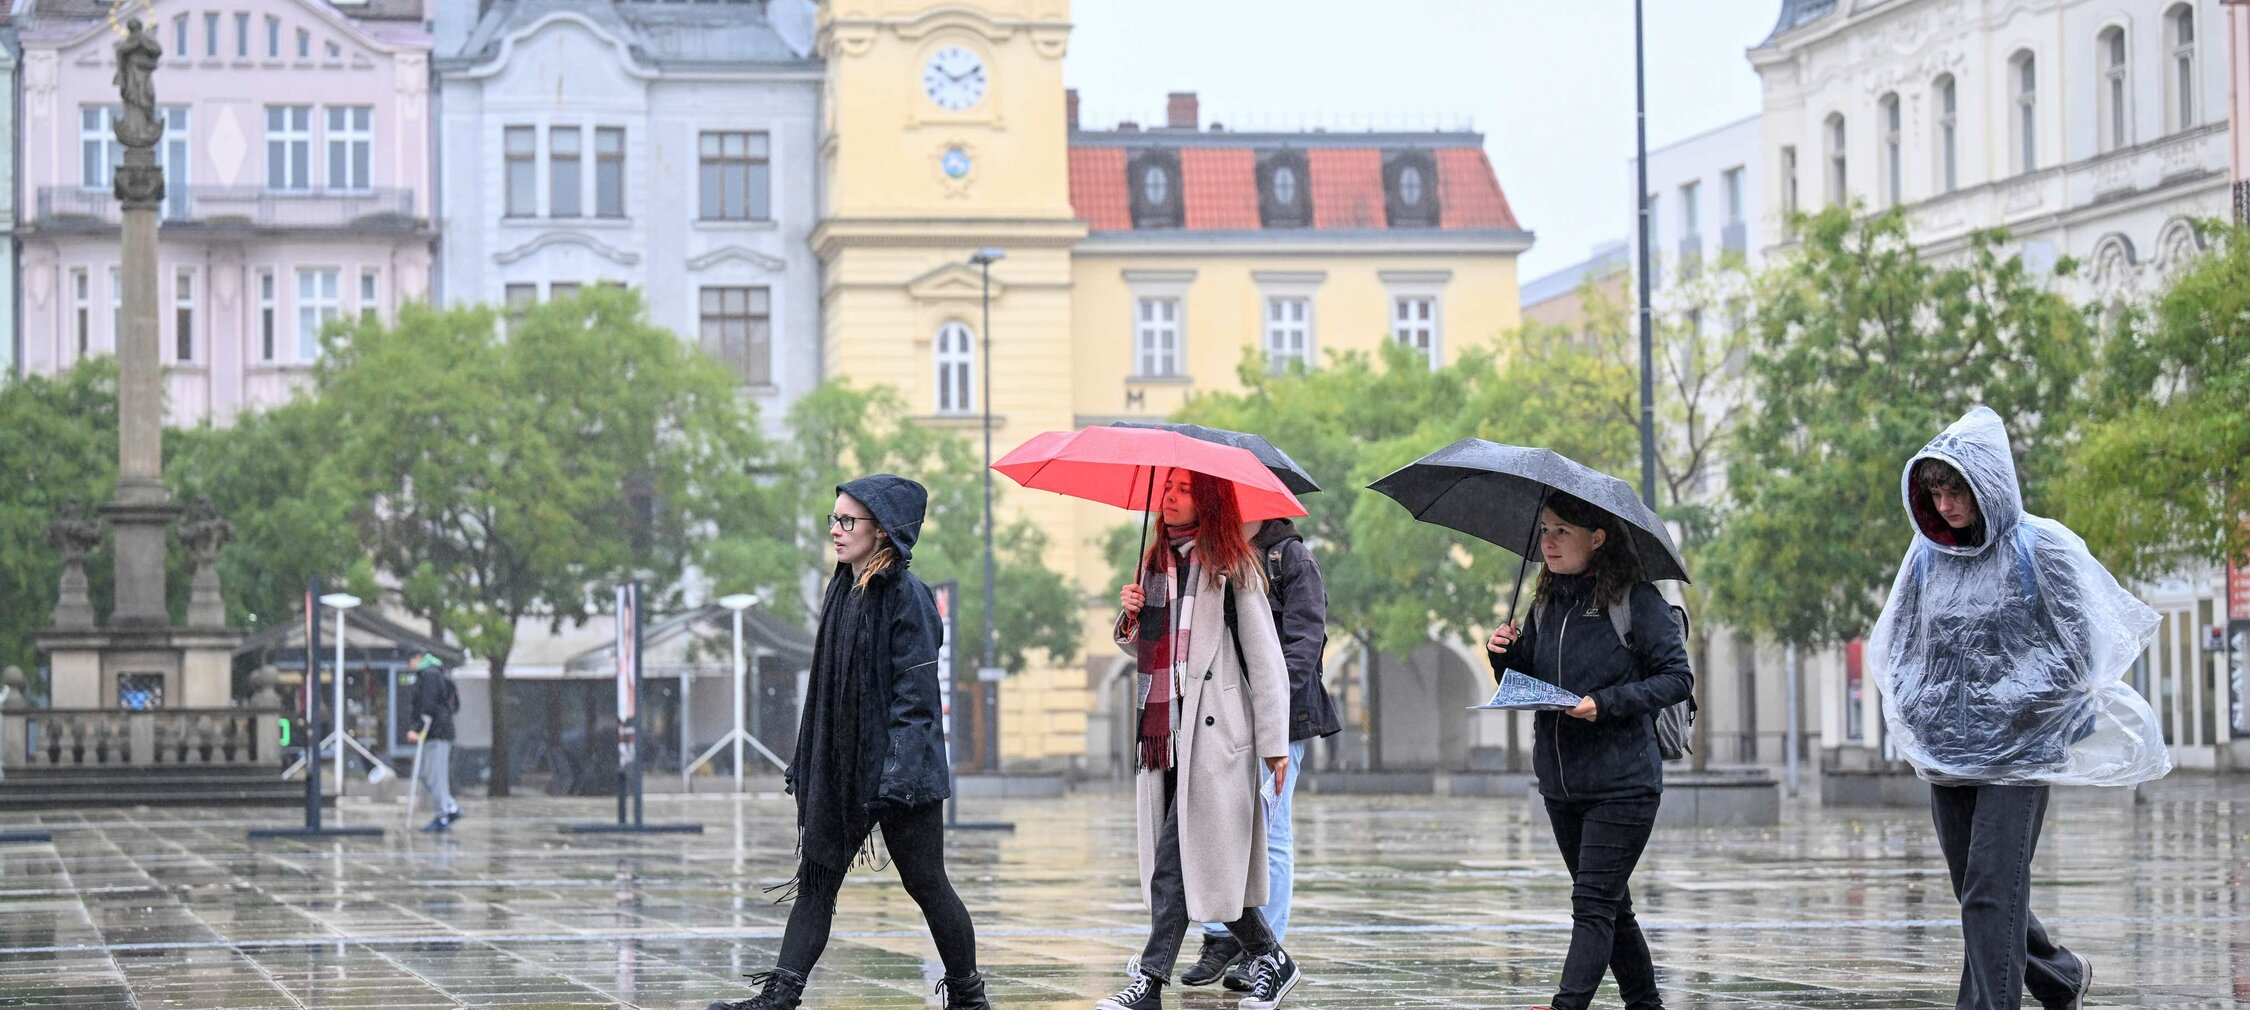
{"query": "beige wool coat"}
[(1230, 719)]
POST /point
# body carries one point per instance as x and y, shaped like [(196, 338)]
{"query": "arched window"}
[(1838, 175), (1894, 189), (2111, 124), (2024, 76), (1948, 133), (2179, 84), (956, 369)]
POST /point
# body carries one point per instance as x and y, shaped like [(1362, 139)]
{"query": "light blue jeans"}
[(1281, 847)]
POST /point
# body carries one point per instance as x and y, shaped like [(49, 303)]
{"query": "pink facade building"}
[(297, 163)]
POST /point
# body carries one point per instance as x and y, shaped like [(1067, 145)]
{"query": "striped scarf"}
[(1165, 624)]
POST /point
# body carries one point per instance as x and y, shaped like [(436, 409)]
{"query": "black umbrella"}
[(1292, 476), (1495, 492)]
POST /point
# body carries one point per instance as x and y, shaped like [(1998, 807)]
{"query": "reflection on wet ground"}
[(1401, 902)]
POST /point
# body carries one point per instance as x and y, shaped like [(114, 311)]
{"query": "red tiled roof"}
[(1097, 188), (1469, 193), (1347, 187), (1220, 187)]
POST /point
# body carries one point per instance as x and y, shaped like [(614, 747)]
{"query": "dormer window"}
[(1153, 179), (1284, 189), (1410, 185)]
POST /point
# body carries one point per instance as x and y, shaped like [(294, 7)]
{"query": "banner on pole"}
[(628, 669), (944, 593)]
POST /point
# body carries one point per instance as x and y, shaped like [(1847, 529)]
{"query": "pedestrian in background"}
[(435, 700)]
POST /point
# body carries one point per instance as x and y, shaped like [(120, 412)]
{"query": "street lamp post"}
[(340, 603), (738, 603), (1648, 339), (984, 259)]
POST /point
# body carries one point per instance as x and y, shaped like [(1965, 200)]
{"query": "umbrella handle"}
[(1531, 543)]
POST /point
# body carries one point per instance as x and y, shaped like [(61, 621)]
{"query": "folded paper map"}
[(1529, 694)]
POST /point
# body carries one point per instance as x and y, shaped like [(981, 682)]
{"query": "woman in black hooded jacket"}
[(1598, 766), (871, 747)]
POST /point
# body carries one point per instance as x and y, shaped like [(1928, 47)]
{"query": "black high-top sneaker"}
[(1271, 978), (784, 989), (1220, 950), (964, 993), (1144, 992)]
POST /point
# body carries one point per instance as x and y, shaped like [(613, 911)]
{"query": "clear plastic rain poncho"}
[(2002, 651)]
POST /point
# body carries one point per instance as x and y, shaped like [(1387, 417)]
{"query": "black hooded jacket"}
[(1615, 756), (1300, 614), (871, 737)]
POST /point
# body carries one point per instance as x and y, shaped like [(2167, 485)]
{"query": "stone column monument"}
[(138, 646)]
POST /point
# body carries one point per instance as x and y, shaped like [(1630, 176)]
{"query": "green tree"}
[(839, 432), (1863, 352), (264, 474), (506, 478), (60, 443), (2158, 476)]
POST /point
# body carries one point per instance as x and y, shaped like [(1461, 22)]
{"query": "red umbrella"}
[(1126, 467)]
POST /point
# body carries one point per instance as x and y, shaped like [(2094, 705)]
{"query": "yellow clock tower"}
[(944, 133)]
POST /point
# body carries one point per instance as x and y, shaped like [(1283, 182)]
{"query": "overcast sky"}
[(1548, 82)]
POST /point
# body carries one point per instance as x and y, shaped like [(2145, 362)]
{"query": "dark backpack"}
[(1675, 724)]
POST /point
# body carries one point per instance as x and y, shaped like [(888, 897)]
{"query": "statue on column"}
[(138, 127), (74, 535), (203, 532)]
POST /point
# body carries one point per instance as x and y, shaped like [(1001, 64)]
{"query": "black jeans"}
[(916, 839), (1601, 840), (1167, 891), (1989, 834)]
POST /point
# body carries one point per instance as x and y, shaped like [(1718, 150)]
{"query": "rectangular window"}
[(335, 52), (304, 44), (1894, 164), (1414, 323), (266, 318), (289, 147), (183, 315), (1288, 333), (1788, 179), (1949, 98), (1691, 214), (609, 171), (273, 37), (734, 175), (369, 302), (560, 290), (520, 298), (317, 306), (97, 146), (242, 36), (1733, 181), (81, 309), (179, 35), (523, 171), (1157, 338), (172, 157), (737, 329), (351, 146), (211, 35), (564, 183)]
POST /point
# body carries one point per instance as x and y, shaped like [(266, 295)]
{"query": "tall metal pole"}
[(984, 336), (339, 709), (1648, 328), (312, 706)]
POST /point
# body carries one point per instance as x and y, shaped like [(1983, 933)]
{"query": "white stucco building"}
[(662, 146), (1707, 198), (2089, 129)]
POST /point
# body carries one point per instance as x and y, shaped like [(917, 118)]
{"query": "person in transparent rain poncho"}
[(2001, 655)]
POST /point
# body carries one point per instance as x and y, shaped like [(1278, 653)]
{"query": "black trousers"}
[(916, 839), (1601, 842), (1167, 891), (1989, 834)]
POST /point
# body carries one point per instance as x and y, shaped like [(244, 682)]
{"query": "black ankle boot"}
[(784, 989), (965, 993)]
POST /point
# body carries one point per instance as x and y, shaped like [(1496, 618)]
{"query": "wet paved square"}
[(1401, 902)]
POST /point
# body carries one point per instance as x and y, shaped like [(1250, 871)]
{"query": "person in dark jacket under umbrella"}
[(1300, 614), (435, 699), (1598, 766), (870, 746)]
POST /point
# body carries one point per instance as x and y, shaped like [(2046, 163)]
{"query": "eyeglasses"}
[(846, 523)]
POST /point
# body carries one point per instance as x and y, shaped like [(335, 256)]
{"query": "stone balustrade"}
[(243, 736)]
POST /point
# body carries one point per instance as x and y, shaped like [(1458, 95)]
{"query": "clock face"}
[(954, 79)]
